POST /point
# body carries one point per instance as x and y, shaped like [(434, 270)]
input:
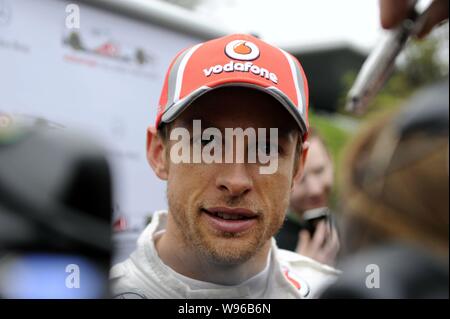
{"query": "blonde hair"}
[(396, 189)]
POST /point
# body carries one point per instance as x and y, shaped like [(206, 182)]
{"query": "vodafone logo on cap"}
[(245, 51), (242, 50)]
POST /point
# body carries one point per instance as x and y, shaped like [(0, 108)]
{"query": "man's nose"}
[(234, 179)]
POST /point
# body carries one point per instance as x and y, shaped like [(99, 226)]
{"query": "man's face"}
[(312, 190), (203, 197)]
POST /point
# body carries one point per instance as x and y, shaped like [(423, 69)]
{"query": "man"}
[(311, 191), (216, 240)]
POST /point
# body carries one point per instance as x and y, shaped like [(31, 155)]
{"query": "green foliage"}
[(335, 135), (422, 66), (419, 67)]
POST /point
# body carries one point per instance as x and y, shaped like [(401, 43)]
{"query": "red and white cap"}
[(234, 60)]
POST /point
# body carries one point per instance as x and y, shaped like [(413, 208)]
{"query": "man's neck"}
[(185, 260)]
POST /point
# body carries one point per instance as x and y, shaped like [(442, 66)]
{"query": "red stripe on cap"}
[(164, 93)]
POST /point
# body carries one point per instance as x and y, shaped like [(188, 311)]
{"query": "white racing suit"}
[(144, 275)]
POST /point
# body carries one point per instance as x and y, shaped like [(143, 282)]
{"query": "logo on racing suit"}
[(297, 282)]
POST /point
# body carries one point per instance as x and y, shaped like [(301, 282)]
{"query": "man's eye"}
[(269, 148), (206, 141), (319, 170), (203, 141)]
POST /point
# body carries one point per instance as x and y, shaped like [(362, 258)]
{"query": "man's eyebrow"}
[(188, 123), (283, 131)]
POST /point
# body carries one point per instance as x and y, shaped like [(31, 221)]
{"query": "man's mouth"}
[(231, 220)]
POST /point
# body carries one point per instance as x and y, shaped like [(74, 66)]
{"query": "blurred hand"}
[(393, 12), (322, 247)]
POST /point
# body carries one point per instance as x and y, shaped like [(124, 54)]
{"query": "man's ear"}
[(301, 165), (156, 153)]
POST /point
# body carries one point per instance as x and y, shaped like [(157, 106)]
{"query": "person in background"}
[(395, 199), (310, 192), (395, 192)]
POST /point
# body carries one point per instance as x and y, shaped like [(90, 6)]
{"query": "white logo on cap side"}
[(301, 107), (252, 54), (180, 72)]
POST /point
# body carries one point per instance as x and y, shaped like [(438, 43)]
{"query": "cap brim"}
[(174, 110)]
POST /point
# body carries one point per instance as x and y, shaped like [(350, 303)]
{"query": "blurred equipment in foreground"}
[(55, 208), (379, 65), (395, 195)]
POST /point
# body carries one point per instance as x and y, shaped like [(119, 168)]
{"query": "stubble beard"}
[(225, 249)]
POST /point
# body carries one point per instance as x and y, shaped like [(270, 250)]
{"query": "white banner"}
[(104, 77)]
